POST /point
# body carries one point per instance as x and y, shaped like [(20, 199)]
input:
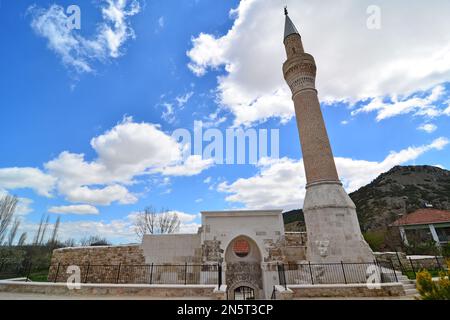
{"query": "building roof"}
[(289, 27), (423, 216)]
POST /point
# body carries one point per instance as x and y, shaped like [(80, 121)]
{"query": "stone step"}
[(411, 292), (407, 281), (409, 286)]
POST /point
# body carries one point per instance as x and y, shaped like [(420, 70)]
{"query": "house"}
[(425, 225)]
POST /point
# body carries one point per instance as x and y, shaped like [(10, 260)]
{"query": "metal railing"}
[(179, 274), (11, 269), (335, 273)]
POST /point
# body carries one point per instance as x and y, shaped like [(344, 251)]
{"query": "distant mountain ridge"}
[(400, 191)]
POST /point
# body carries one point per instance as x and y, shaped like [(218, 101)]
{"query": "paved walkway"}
[(35, 296), (31, 296)]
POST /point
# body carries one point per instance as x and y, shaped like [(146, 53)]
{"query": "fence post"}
[(343, 271), (185, 273), (412, 267), (395, 272), (219, 268), (438, 263), (87, 272), (400, 262), (281, 275), (310, 272), (57, 271), (377, 265), (1, 265), (29, 271), (151, 273), (118, 273)]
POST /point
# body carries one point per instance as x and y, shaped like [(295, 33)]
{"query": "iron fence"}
[(180, 274), (12, 269), (335, 273)]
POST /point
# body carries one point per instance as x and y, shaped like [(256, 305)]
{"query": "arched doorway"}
[(243, 269)]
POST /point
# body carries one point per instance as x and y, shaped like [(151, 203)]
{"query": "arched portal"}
[(243, 269)]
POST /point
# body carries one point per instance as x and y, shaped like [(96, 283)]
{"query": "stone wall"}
[(99, 264), (117, 290), (290, 248), (401, 262), (172, 248), (350, 290)]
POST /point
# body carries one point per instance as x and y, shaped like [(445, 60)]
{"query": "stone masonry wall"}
[(400, 261), (100, 264)]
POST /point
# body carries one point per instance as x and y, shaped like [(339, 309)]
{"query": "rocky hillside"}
[(399, 191)]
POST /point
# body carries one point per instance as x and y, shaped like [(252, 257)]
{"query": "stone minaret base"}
[(332, 225)]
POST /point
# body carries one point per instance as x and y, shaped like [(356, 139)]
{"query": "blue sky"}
[(93, 143)]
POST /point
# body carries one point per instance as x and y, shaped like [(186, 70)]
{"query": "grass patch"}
[(411, 275), (40, 276)]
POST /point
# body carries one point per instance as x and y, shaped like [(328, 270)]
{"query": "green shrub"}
[(445, 250), (375, 239), (434, 290)]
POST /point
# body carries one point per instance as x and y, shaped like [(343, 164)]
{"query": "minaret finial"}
[(285, 11)]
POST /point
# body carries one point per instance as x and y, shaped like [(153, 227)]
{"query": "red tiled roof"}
[(424, 216)]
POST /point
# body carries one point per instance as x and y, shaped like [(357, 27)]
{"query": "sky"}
[(92, 93)]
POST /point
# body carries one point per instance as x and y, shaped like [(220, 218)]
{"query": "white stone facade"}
[(261, 232)]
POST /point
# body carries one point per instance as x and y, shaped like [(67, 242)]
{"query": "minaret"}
[(334, 234)]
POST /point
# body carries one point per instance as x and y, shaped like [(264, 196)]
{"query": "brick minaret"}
[(332, 225)]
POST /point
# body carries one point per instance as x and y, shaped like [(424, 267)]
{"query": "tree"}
[(42, 229), (54, 237), (150, 221), (13, 231), (434, 290), (7, 208), (93, 241), (22, 239)]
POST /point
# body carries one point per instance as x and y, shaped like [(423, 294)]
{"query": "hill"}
[(400, 191)]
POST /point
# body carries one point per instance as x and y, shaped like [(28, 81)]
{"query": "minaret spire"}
[(289, 27)]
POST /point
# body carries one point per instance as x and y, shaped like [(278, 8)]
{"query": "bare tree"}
[(150, 221), (13, 231), (168, 222), (69, 243), (54, 237), (42, 229), (7, 208), (22, 239), (94, 241)]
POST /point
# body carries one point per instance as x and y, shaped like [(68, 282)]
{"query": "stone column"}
[(434, 234)]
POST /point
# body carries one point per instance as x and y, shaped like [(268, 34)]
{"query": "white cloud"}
[(418, 106), (427, 127), (168, 114), (207, 180), (183, 99), (161, 22), (24, 206), (103, 196), (170, 108), (193, 165), (116, 231), (126, 151), (280, 183), (400, 58), (74, 209), (77, 51), (32, 178)]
